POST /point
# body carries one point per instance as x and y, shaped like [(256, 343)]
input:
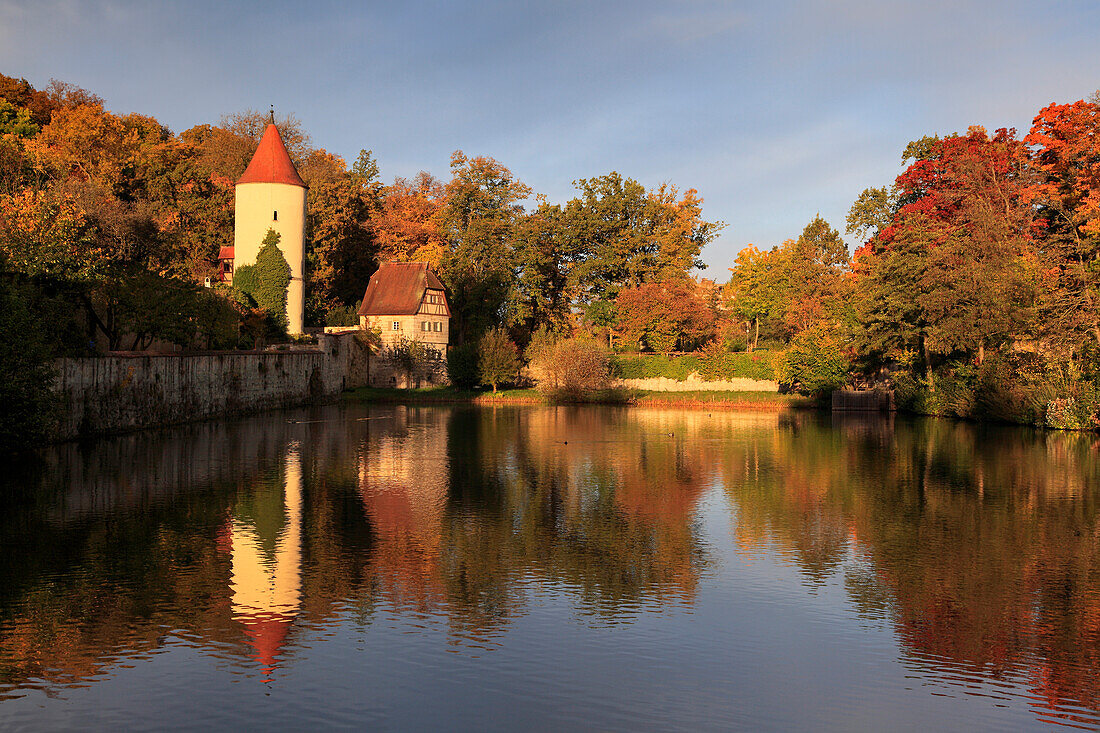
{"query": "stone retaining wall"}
[(124, 392), (869, 400)]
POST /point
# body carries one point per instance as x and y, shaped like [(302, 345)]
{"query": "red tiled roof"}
[(271, 163), (397, 288), (225, 253)]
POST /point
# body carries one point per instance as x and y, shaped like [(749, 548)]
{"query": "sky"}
[(774, 111)]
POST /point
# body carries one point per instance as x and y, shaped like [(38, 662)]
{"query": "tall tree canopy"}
[(955, 268), (483, 206)]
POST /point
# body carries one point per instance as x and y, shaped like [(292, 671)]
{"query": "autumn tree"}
[(343, 251), (794, 287), (21, 94), (955, 269), (621, 236), (407, 223), (1065, 140), (497, 358), (664, 315), (482, 208)]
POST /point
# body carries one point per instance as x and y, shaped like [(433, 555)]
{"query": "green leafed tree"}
[(414, 358), (498, 358), (26, 372), (622, 235), (478, 220), (16, 121)]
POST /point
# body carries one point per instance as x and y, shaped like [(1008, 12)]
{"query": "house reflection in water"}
[(403, 484), (265, 538)]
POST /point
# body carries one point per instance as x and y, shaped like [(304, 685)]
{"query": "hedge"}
[(721, 366)]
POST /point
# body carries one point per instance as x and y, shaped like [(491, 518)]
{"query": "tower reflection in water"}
[(264, 531)]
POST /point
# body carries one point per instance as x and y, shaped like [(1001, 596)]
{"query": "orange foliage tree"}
[(664, 315)]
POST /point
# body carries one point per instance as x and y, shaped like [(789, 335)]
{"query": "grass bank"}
[(763, 401)]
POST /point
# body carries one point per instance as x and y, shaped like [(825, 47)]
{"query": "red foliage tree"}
[(664, 315)]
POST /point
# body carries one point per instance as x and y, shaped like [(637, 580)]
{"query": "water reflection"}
[(265, 543), (977, 549), (979, 545)]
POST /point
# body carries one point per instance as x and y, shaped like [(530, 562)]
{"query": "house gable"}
[(403, 288)]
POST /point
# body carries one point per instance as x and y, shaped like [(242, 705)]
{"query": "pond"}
[(463, 568)]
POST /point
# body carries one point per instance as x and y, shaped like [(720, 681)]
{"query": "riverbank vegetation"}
[(974, 288), (732, 400)]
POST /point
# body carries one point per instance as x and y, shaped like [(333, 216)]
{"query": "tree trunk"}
[(927, 365), (756, 336), (96, 321), (981, 352)]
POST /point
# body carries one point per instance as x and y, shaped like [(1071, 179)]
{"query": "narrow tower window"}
[(275, 216)]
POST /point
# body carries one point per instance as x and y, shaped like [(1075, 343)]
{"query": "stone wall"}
[(124, 392), (386, 372), (868, 400)]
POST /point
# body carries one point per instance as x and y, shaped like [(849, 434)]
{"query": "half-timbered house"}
[(406, 301)]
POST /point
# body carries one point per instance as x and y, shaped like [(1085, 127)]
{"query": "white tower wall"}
[(282, 207)]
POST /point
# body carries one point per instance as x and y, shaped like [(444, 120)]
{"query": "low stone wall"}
[(664, 384), (124, 392), (869, 400)]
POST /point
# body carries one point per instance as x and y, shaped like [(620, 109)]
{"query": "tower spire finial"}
[(273, 114)]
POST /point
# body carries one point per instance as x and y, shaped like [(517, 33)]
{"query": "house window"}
[(274, 216), (397, 325), (437, 326), (425, 326)]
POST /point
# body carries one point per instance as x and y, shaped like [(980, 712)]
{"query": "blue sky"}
[(774, 111)]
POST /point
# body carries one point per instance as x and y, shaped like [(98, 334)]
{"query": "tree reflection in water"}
[(978, 546)]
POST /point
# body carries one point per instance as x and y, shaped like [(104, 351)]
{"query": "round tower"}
[(271, 195)]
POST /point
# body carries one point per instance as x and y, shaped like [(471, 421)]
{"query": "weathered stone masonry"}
[(131, 392)]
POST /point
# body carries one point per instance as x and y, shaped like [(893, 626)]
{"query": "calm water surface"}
[(554, 568)]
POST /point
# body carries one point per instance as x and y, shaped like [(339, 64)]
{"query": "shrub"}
[(571, 369), (717, 362), (817, 361), (649, 366), (342, 315), (497, 359), (712, 363), (1064, 414), (26, 372), (1007, 387), (462, 366)]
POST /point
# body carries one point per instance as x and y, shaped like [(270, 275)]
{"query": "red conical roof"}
[(271, 163), (266, 634)]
